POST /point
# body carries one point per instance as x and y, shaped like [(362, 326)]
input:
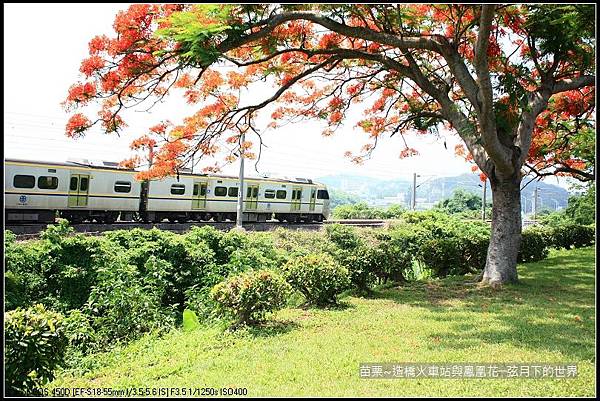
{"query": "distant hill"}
[(374, 191)]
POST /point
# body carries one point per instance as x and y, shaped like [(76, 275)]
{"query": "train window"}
[(281, 194), (24, 181), (270, 194), (322, 194), (195, 192), (73, 184), (123, 186), (220, 191), (177, 189), (83, 184), (47, 182), (233, 192), (252, 192)]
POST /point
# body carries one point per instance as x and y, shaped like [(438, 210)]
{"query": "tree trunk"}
[(505, 240)]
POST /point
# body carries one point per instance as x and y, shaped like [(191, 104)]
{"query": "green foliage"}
[(442, 255), (250, 295), (58, 271), (361, 210), (80, 331), (195, 36), (460, 201), (15, 289), (571, 235), (35, 344), (177, 262), (562, 29), (319, 277), (293, 242), (123, 307), (534, 245), (582, 208), (209, 235), (344, 237), (444, 243)]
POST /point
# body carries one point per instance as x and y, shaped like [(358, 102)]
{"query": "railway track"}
[(31, 231)]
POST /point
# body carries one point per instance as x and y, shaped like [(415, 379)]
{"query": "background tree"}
[(582, 208), (460, 201), (490, 73)]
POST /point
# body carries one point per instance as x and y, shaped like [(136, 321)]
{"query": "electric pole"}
[(414, 192), (240, 200), (535, 197)]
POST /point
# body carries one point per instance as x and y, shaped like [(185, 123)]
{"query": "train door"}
[(199, 195), (79, 187), (296, 199), (252, 197), (313, 199)]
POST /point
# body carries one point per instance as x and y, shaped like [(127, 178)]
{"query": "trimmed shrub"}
[(442, 255), (534, 245), (344, 237), (473, 252), (35, 344), (301, 242), (251, 295), (573, 235), (358, 263), (319, 277)]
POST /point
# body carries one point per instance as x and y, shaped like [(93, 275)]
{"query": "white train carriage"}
[(77, 190), (202, 197)]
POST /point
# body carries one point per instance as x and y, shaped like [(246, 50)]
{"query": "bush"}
[(35, 344), (360, 273), (249, 296), (25, 282), (178, 262), (573, 235), (319, 277), (14, 296), (342, 236), (534, 245), (209, 235), (442, 255), (57, 271), (377, 257), (296, 243), (70, 268), (123, 307)]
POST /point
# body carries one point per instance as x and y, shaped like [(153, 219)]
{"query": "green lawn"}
[(547, 317)]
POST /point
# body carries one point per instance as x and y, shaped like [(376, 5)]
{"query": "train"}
[(102, 192)]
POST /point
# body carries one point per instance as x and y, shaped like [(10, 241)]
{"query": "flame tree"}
[(515, 82)]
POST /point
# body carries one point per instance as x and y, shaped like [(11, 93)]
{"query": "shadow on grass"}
[(551, 307)]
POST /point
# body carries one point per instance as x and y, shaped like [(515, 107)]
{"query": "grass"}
[(547, 317)]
